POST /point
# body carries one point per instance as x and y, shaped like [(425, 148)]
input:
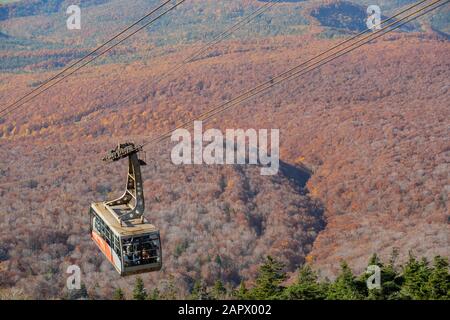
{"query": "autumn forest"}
[(364, 152)]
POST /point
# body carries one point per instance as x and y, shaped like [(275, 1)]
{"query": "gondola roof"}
[(128, 228)]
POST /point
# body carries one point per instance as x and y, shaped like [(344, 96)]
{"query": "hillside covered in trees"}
[(372, 127), (416, 280)]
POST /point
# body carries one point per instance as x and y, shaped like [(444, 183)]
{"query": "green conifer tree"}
[(306, 288), (438, 285), (118, 294), (139, 292), (219, 291), (155, 294), (268, 282), (199, 291), (415, 278), (372, 293), (241, 293), (170, 292), (346, 286)]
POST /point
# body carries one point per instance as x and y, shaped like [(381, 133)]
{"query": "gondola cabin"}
[(118, 227)]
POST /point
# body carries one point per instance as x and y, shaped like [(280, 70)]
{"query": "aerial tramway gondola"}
[(119, 228)]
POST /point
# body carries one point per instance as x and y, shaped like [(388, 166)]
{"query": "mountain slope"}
[(373, 126)]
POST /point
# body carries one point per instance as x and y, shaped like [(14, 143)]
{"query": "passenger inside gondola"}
[(140, 251)]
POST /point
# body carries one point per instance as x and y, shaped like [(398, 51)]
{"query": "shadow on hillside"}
[(346, 15), (299, 175)]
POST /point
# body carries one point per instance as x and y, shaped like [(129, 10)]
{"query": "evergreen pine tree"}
[(306, 288), (196, 290), (139, 292), (375, 261), (391, 281), (170, 292), (219, 291), (415, 279), (346, 287), (199, 291), (218, 260), (268, 282), (242, 292), (155, 294), (438, 285), (408, 274), (324, 286), (372, 293), (118, 294)]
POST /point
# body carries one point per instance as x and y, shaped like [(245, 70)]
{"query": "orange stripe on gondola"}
[(103, 245)]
